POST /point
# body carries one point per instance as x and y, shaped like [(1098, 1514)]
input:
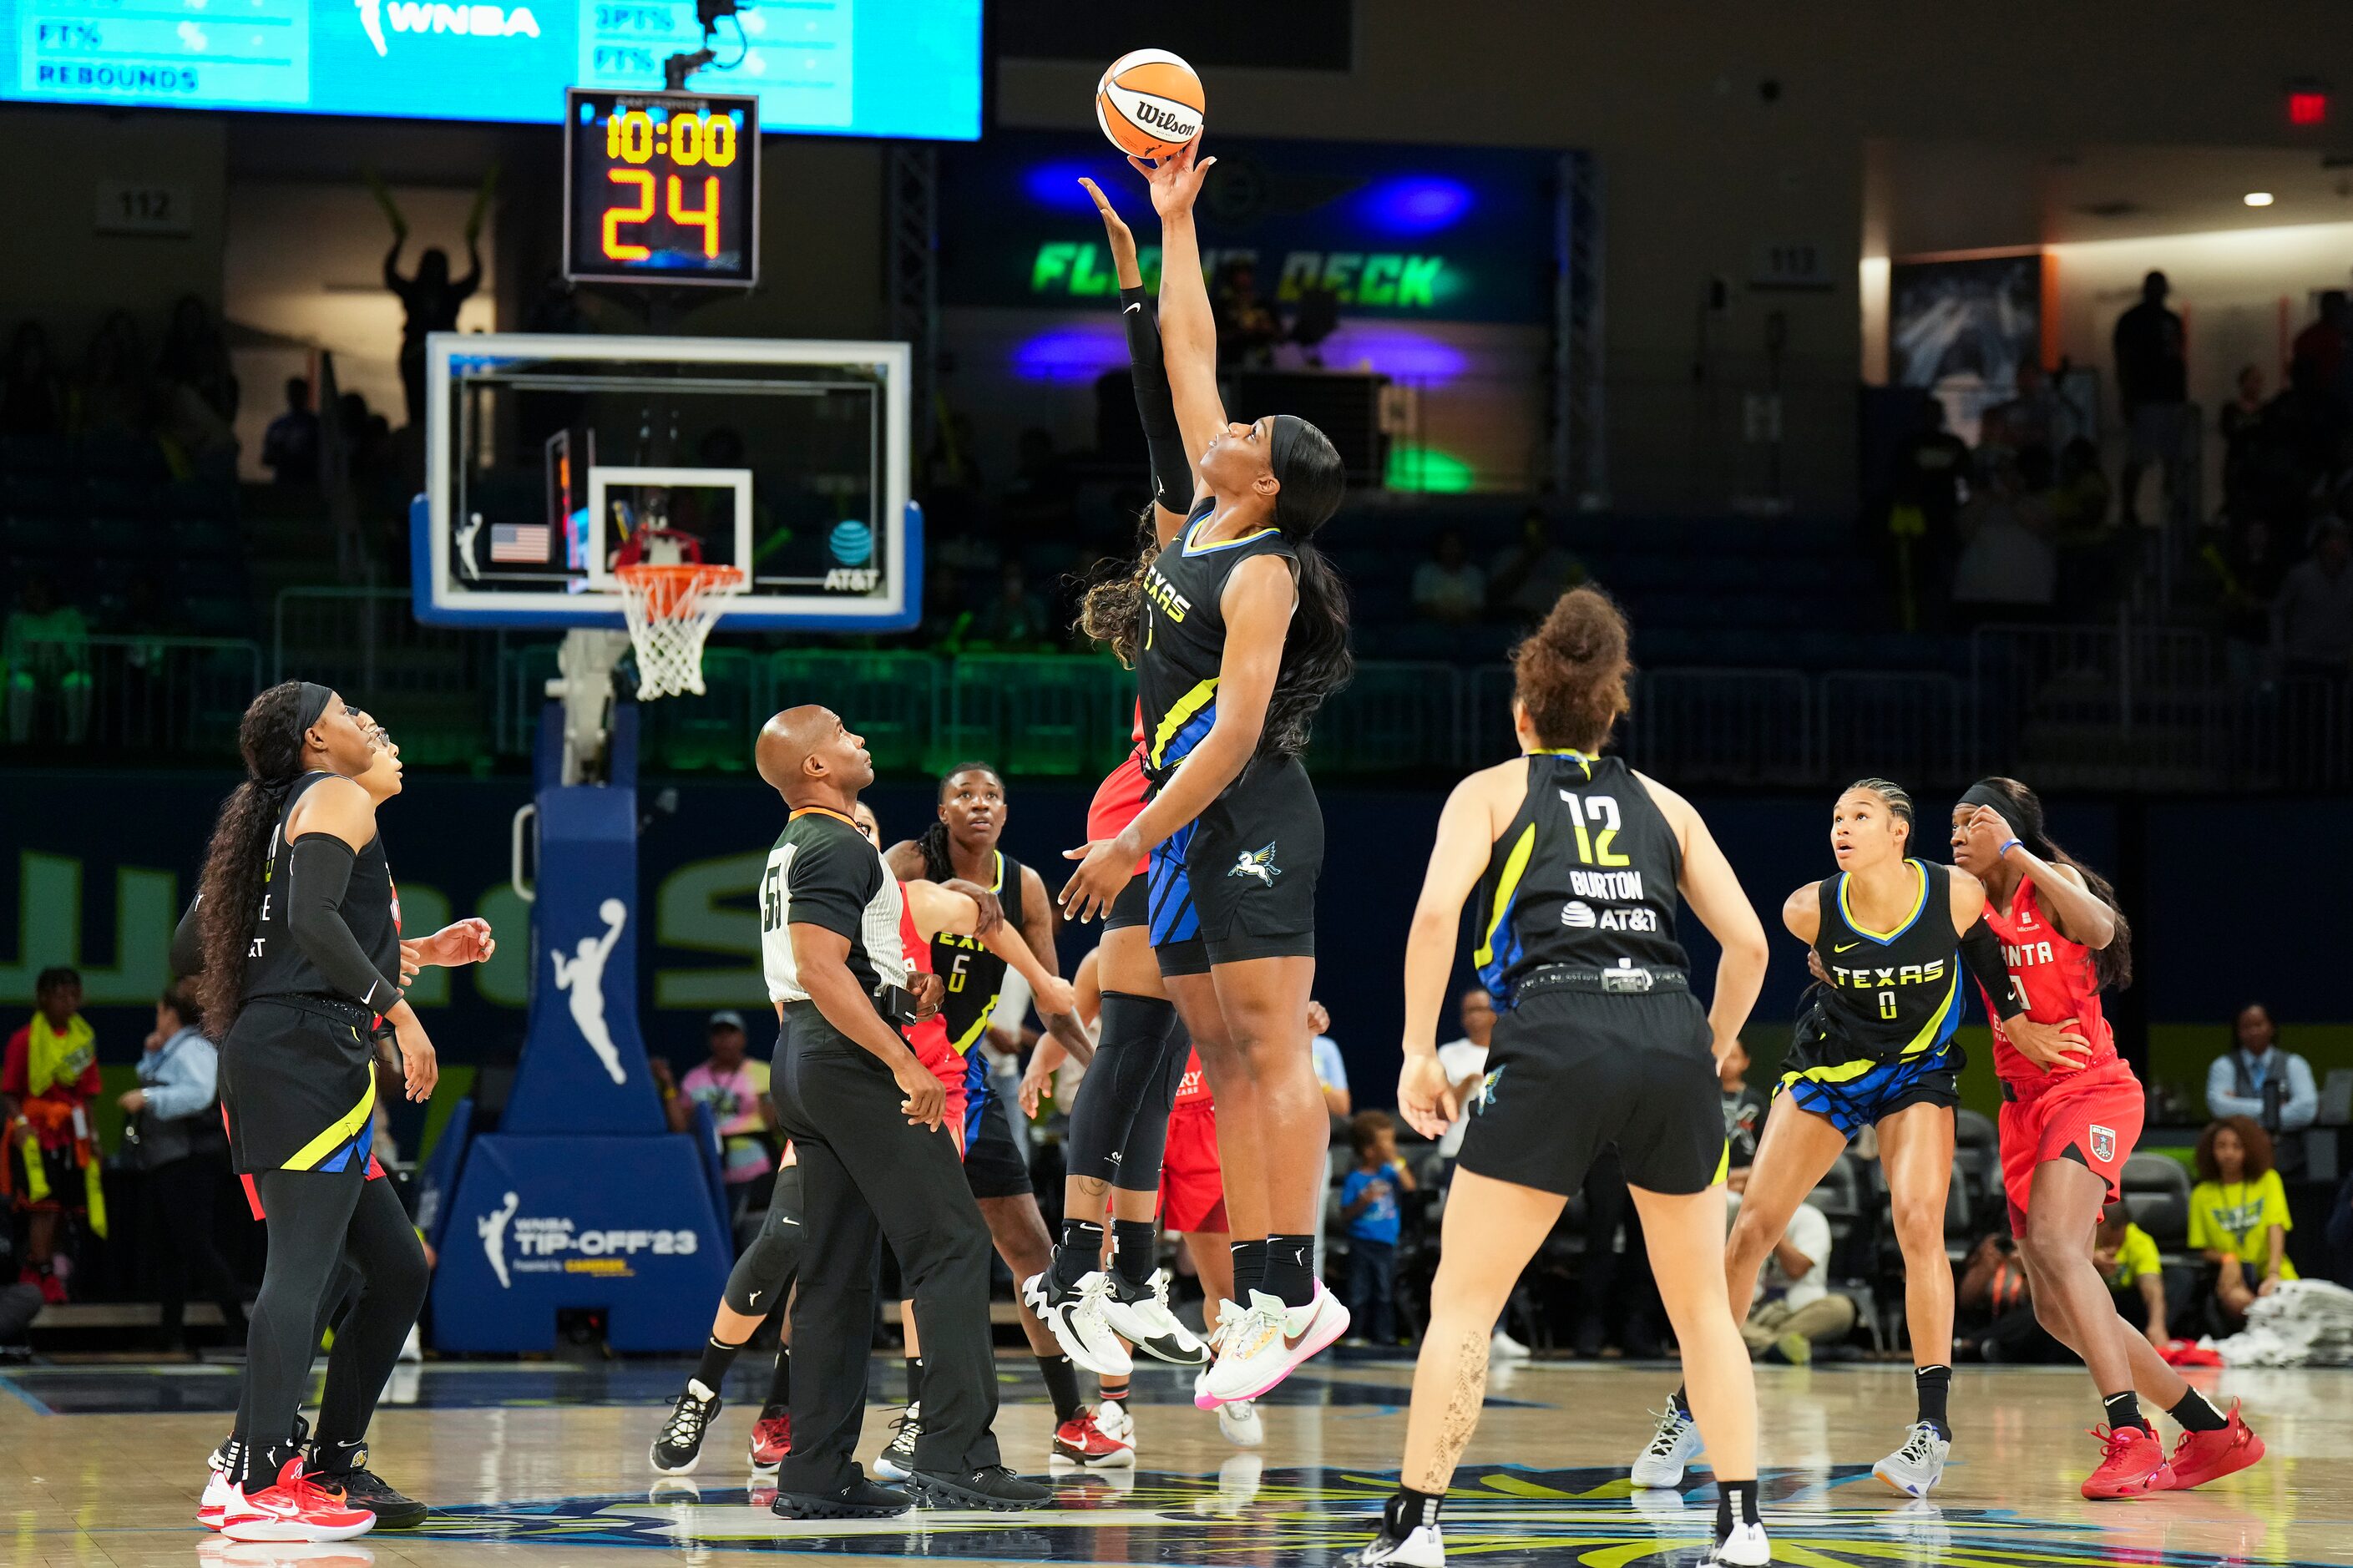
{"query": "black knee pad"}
[(1121, 1084), (758, 1283)]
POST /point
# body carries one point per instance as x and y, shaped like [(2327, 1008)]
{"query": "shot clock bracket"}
[(678, 67)]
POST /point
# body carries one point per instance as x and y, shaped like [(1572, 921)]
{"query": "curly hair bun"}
[(1571, 671)]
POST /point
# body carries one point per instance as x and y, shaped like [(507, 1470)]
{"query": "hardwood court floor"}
[(545, 1466)]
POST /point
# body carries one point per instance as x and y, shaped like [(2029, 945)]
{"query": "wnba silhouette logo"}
[(581, 977)]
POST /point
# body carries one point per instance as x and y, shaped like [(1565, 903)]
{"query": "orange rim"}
[(672, 589)]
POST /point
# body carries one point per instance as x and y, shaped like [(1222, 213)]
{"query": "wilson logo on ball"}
[(1149, 103)]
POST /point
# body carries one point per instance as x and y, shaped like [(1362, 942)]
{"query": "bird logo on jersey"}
[(1257, 863)]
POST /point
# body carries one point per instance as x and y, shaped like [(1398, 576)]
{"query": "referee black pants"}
[(866, 1175)]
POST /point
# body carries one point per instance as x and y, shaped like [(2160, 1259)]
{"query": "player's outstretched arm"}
[(1188, 331)]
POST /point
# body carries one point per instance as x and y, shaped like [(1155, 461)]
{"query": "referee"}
[(875, 1160)]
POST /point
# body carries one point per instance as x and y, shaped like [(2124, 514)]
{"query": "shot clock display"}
[(661, 187)]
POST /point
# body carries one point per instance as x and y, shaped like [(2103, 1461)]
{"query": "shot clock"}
[(661, 187)]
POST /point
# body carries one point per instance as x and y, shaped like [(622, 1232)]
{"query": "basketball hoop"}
[(669, 610)]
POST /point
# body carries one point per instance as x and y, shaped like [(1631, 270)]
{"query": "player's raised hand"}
[(1123, 239), (1989, 830), (1176, 180)]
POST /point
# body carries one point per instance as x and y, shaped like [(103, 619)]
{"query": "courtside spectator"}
[(47, 1085), (1794, 1309), (178, 1139), (290, 448), (2311, 620), (1331, 1067), (2127, 1259), (1529, 578), (1744, 1115), (2238, 1215), (2153, 381), (1368, 1203), (2257, 1080), (734, 1089)]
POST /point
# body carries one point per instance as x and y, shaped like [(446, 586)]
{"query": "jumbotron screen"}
[(852, 68)]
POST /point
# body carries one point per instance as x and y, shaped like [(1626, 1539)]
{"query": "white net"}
[(669, 610)]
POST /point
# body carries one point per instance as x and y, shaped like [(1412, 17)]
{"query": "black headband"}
[(1284, 434), (1986, 794), (315, 698)]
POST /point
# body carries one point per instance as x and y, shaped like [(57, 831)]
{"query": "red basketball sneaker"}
[(293, 1509), (2202, 1457), (2133, 1464), (1082, 1440), (772, 1437)]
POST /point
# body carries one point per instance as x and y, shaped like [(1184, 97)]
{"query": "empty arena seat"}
[(2157, 1195)]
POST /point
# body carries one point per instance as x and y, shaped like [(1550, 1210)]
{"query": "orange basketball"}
[(1149, 103)]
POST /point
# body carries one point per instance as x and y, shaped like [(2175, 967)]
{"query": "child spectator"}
[(47, 1085), (735, 1089), (1369, 1202), (2238, 1213), (2127, 1258)]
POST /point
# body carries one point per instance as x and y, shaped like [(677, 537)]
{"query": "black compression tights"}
[(316, 1221), (1119, 1127)]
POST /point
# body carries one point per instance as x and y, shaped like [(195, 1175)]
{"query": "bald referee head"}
[(811, 758)]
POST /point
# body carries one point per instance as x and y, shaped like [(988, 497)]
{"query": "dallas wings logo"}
[(1258, 864)]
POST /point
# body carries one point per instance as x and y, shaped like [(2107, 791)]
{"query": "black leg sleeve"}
[(760, 1278), (383, 1245), (308, 1213), (1119, 1090)]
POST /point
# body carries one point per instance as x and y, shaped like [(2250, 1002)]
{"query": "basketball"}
[(1149, 103)]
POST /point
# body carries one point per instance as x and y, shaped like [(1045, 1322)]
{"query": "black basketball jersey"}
[(973, 975), (1185, 636), (275, 964), (1891, 994), (1585, 877)]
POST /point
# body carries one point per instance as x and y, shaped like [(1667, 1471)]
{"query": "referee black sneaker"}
[(860, 1498), (344, 1468), (996, 1489), (679, 1448)]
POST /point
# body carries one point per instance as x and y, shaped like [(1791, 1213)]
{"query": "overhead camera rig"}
[(677, 67)]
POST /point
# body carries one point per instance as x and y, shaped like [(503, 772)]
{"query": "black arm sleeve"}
[(1172, 471), (188, 943), (319, 871), (1981, 956)]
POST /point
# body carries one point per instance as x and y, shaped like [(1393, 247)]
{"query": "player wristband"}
[(2007, 845)]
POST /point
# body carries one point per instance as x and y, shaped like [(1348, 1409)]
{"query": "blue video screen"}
[(850, 68)]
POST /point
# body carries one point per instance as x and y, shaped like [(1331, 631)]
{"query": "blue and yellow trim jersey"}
[(975, 977), (1891, 996), (1185, 636), (1585, 875)]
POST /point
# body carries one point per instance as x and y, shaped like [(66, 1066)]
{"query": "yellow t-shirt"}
[(2237, 1216), (2136, 1256)]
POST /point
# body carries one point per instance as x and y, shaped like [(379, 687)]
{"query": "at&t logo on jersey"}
[(1579, 915)]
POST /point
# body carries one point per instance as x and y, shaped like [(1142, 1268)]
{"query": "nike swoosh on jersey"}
[(1842, 947)]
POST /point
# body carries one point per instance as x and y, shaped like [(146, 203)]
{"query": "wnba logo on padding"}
[(851, 542)]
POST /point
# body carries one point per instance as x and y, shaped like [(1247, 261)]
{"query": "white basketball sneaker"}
[(1914, 1468), (1424, 1547), (1238, 1419), (1269, 1344), (1079, 1324), (1227, 1316), (1673, 1447), (1745, 1547), (1143, 1319)]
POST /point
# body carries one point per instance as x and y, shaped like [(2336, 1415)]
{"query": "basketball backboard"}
[(549, 455)]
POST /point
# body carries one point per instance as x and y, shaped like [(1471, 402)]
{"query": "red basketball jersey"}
[(2058, 978), (930, 1037), (1194, 1088)]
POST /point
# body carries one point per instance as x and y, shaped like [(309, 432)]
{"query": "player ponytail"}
[(934, 840), (1111, 611), (2023, 809), (270, 736), (1315, 657)]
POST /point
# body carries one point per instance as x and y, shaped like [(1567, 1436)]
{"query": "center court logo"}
[(463, 21)]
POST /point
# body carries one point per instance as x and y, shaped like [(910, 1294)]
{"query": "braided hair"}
[(270, 736), (938, 866), (1898, 801)]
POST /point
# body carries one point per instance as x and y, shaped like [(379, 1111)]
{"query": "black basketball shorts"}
[(298, 1077), (1571, 1071), (993, 1163), (1239, 881)]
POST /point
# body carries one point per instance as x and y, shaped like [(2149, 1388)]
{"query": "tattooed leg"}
[(1492, 1228)]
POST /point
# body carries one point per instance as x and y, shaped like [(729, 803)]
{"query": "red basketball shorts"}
[(2092, 1117), (1192, 1187)]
